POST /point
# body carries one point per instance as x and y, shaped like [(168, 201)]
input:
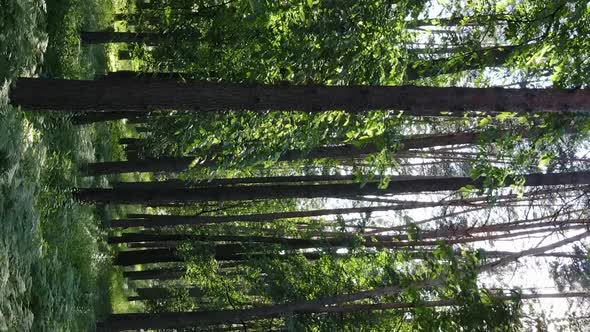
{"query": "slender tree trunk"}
[(162, 164), (455, 21), (118, 322), (136, 94), (154, 274), (178, 184), (570, 255), (154, 293), (241, 251), (103, 37), (121, 17), (124, 55), (348, 190), (151, 220), (348, 308), (223, 252), (176, 164), (491, 57), (444, 234), (93, 117)]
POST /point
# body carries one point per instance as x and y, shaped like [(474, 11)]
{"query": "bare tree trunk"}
[(137, 94), (154, 293), (120, 322), (103, 37), (154, 274), (153, 221), (398, 185), (94, 117), (175, 164), (124, 55), (490, 57)]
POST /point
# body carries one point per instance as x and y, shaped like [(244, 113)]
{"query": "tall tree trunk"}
[(103, 37), (141, 95), (348, 190), (119, 322), (456, 20), (223, 252), (161, 164), (176, 164), (489, 57), (444, 234), (178, 184), (154, 274), (154, 293), (152, 220), (93, 117), (240, 251), (124, 55)]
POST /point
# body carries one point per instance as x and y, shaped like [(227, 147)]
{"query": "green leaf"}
[(467, 189), (484, 122), (505, 116), (544, 160)]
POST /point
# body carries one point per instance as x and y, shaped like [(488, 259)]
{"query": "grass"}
[(55, 271)]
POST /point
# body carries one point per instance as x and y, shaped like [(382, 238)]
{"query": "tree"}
[(341, 151), (339, 190), (142, 95)]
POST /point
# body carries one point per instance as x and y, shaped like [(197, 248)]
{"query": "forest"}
[(294, 165)]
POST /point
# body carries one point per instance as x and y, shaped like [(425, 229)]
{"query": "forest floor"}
[(55, 271)]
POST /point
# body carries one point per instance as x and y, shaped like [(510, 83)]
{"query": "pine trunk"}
[(119, 322), (346, 151), (154, 274), (155, 293), (94, 117), (151, 220), (104, 37), (141, 95), (398, 185)]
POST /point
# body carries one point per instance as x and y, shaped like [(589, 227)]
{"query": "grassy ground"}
[(55, 272)]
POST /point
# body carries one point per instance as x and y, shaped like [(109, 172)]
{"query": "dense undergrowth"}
[(55, 269)]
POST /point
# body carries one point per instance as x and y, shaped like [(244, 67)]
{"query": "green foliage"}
[(334, 42), (64, 57), (22, 39), (505, 159), (50, 246)]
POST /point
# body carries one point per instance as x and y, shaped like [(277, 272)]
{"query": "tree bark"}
[(456, 20), (119, 322), (176, 164), (124, 55), (240, 251), (490, 57), (178, 184), (223, 252), (94, 117), (104, 37), (161, 164), (154, 293), (347, 190), (444, 234), (152, 220), (141, 95), (154, 274)]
